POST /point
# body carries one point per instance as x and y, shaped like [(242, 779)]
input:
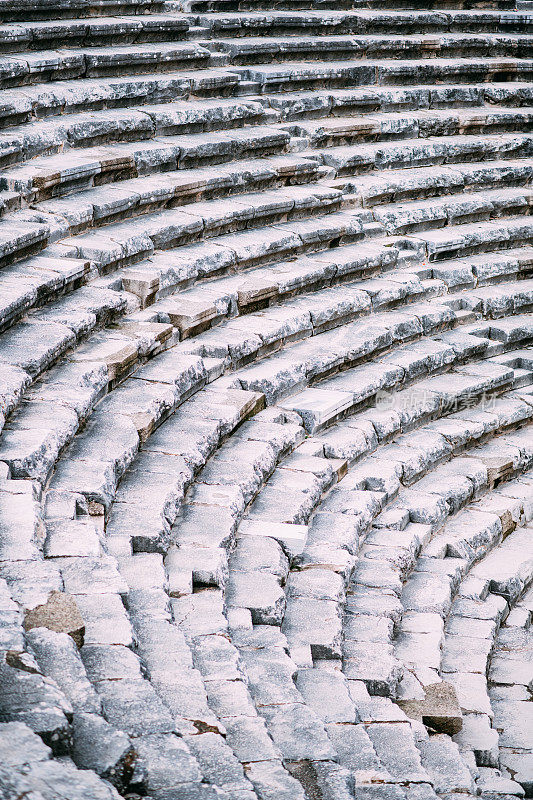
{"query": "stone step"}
[(125, 242), (434, 151), (141, 196), (27, 765), (36, 281), (119, 125), (400, 185), (20, 238), (279, 23), (409, 217), (92, 31), (423, 125), (438, 5), (476, 238), (372, 99), (56, 66), (44, 178), (258, 50), (338, 74)]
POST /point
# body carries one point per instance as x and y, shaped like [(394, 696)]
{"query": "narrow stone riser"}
[(404, 24), (343, 138), (26, 11), (383, 194), (408, 50), (375, 101), (293, 83), (89, 33), (437, 5), (8, 317), (396, 160), (68, 69), (464, 250)]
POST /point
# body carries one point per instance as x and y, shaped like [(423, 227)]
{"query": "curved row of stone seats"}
[(97, 614), (44, 178), (436, 151), (130, 705), (381, 99), (300, 75), (423, 182), (31, 444), (31, 283), (509, 686), (352, 347), (289, 540), (141, 195), (62, 71), (32, 104), (19, 355), (31, 35), (405, 5)]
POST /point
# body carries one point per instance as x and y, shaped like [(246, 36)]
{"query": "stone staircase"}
[(266, 394)]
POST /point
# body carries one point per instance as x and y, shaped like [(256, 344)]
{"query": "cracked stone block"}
[(448, 772), (395, 747), (59, 659), (298, 733), (327, 694), (272, 782), (101, 748), (37, 701)]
